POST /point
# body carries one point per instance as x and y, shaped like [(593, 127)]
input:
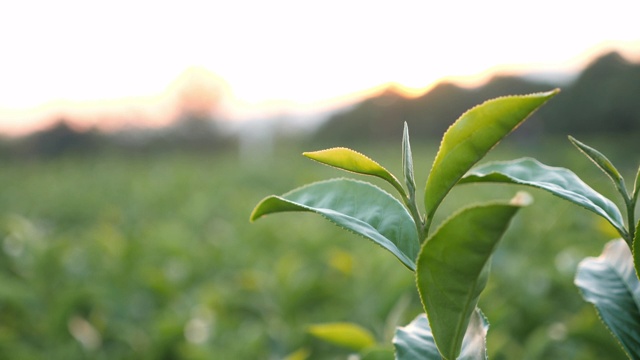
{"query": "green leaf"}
[(604, 164), (353, 161), (453, 269), (347, 335), (356, 206), (610, 283), (472, 136), (558, 181), (415, 341), (407, 163)]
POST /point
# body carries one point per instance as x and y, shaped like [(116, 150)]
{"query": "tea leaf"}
[(453, 269), (558, 181), (610, 283), (353, 161), (407, 164), (472, 136), (604, 164), (356, 206)]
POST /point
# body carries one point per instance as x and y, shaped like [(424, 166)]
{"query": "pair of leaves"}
[(416, 342)]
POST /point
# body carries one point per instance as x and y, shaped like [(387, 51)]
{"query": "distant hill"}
[(605, 97)]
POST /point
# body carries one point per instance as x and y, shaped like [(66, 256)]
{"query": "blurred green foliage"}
[(152, 257)]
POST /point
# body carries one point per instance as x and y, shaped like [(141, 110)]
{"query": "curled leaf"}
[(415, 341), (558, 181), (610, 283)]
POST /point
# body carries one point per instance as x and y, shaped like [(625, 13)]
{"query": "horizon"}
[(252, 60)]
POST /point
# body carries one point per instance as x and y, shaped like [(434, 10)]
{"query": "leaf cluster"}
[(451, 263)]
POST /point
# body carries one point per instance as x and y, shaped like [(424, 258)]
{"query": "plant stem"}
[(631, 220), (410, 202), (630, 205), (426, 227)]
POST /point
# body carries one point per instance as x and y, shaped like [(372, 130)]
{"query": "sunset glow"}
[(121, 63)]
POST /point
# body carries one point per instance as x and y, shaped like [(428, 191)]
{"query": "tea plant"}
[(452, 263)]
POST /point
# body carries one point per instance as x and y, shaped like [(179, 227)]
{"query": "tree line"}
[(603, 99)]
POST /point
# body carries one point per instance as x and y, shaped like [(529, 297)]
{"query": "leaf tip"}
[(254, 216)]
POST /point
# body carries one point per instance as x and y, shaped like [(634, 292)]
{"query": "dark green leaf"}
[(356, 206), (610, 283), (415, 341), (558, 181), (353, 161), (472, 136), (453, 268)]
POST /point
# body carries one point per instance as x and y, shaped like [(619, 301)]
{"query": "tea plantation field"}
[(153, 257)]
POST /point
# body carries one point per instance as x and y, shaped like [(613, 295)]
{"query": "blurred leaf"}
[(350, 160), (300, 354), (453, 269), (415, 341), (378, 353), (558, 181), (603, 163), (356, 206), (347, 335), (472, 136), (610, 283)]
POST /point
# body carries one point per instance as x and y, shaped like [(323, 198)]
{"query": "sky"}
[(90, 58)]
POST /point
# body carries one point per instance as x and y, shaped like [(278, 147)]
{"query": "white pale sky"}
[(73, 53)]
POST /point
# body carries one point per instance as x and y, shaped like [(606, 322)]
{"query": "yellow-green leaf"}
[(353, 161), (347, 335), (472, 136)]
